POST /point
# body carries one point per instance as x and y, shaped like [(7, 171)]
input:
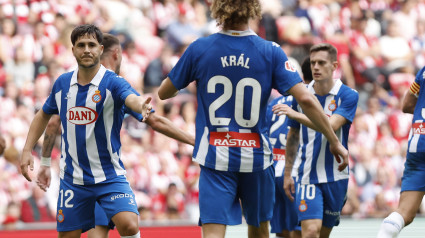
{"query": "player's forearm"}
[(167, 89), (166, 127), (135, 103), (303, 119), (37, 127), (292, 142), (313, 110), (50, 136)]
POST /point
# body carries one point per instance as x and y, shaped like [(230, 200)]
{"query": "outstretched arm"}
[(139, 104), (336, 120), (37, 127), (313, 110), (166, 127)]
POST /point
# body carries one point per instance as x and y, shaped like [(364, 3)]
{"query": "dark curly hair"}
[(88, 29)]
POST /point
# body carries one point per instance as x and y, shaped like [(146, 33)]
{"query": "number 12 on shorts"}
[(307, 191), (68, 195)]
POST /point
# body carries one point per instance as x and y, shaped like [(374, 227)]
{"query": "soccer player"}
[(89, 102), (285, 220), (111, 59), (322, 187), (412, 182), (235, 71)]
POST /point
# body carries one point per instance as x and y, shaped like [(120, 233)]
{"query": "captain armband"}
[(414, 89)]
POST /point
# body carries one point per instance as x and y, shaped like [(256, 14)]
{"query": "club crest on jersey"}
[(81, 115), (235, 139), (332, 106), (303, 206), (60, 217), (289, 66), (96, 97)]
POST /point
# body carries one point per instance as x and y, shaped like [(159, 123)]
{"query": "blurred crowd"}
[(381, 44)]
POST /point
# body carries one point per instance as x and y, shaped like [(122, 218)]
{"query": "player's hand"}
[(2, 145), (146, 108), (341, 155), (27, 160), (289, 187), (44, 177), (283, 109)]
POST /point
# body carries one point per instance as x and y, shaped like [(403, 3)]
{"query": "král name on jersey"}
[(235, 139), (81, 115)]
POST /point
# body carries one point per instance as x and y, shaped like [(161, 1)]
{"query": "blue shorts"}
[(76, 203), (100, 217), (414, 172), (220, 192), (322, 201), (284, 213)]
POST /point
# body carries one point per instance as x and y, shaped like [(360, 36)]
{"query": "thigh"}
[(257, 194), (116, 196), (309, 202), (218, 200), (334, 197), (414, 173), (75, 208)]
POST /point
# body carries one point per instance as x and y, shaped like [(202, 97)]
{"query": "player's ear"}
[(116, 54)]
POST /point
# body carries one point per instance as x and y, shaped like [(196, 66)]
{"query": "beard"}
[(81, 64)]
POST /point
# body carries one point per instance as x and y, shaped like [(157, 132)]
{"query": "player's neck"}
[(239, 27), (86, 75), (323, 87)]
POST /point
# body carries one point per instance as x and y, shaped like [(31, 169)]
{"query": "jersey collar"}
[(95, 81), (334, 90), (248, 32)]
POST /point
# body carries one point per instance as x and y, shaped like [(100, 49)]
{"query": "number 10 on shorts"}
[(307, 191)]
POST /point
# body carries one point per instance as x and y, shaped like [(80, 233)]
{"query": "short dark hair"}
[(332, 51), (108, 42), (306, 69), (89, 29)]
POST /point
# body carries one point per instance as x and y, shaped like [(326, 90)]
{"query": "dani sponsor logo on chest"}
[(81, 115)]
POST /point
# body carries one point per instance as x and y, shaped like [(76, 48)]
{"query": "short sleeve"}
[(51, 106), (348, 105), (121, 89), (285, 76), (182, 73)]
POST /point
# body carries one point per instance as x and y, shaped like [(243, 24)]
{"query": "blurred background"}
[(381, 45)]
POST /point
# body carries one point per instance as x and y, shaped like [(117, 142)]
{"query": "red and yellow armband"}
[(414, 89)]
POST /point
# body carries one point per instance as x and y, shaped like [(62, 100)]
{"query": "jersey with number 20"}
[(235, 72)]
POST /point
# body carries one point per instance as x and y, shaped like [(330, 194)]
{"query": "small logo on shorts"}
[(131, 202), (60, 217), (303, 206), (96, 97)]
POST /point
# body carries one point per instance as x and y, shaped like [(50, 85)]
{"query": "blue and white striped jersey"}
[(91, 119), (316, 163), (234, 72), (278, 129), (417, 133)]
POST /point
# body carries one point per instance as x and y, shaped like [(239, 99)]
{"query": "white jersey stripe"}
[(58, 98), (203, 148), (413, 147), (267, 153), (109, 113), (222, 154), (71, 138), (309, 156), (92, 153), (247, 155)]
